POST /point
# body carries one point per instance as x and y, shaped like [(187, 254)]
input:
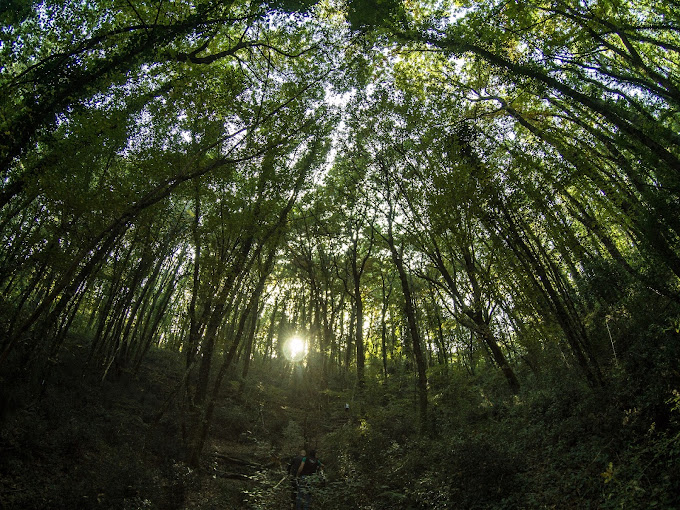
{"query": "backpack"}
[(311, 466), (294, 465)]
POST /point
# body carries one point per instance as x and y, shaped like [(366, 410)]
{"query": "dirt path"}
[(249, 471)]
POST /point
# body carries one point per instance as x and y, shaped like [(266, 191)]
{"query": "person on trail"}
[(309, 466), (293, 467)]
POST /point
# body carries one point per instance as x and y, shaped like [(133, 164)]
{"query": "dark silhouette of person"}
[(293, 467), (309, 466)]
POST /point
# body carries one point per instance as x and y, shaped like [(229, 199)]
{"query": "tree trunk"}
[(414, 333)]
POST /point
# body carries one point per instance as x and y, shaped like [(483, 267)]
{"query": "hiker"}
[(309, 466), (293, 467)]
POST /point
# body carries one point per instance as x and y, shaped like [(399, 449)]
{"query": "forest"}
[(437, 241)]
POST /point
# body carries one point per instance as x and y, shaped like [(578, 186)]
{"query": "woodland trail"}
[(250, 471)]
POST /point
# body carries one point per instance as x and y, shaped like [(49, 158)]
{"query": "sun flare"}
[(295, 348)]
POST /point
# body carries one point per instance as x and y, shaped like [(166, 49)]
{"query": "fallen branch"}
[(233, 476), (234, 460)]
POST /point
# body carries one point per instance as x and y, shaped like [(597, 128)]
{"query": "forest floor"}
[(251, 472), (69, 439)]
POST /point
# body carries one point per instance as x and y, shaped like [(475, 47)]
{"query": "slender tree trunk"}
[(359, 336), (497, 354), (383, 324), (253, 309), (269, 348), (194, 325), (413, 331), (350, 337), (571, 326)]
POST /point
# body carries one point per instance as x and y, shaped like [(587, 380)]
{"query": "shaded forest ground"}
[(70, 440)]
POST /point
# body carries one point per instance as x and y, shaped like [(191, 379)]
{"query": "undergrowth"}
[(72, 440)]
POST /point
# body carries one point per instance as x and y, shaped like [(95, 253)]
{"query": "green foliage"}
[(551, 445), (293, 437), (83, 443), (467, 473), (293, 5), (373, 14), (14, 11)]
